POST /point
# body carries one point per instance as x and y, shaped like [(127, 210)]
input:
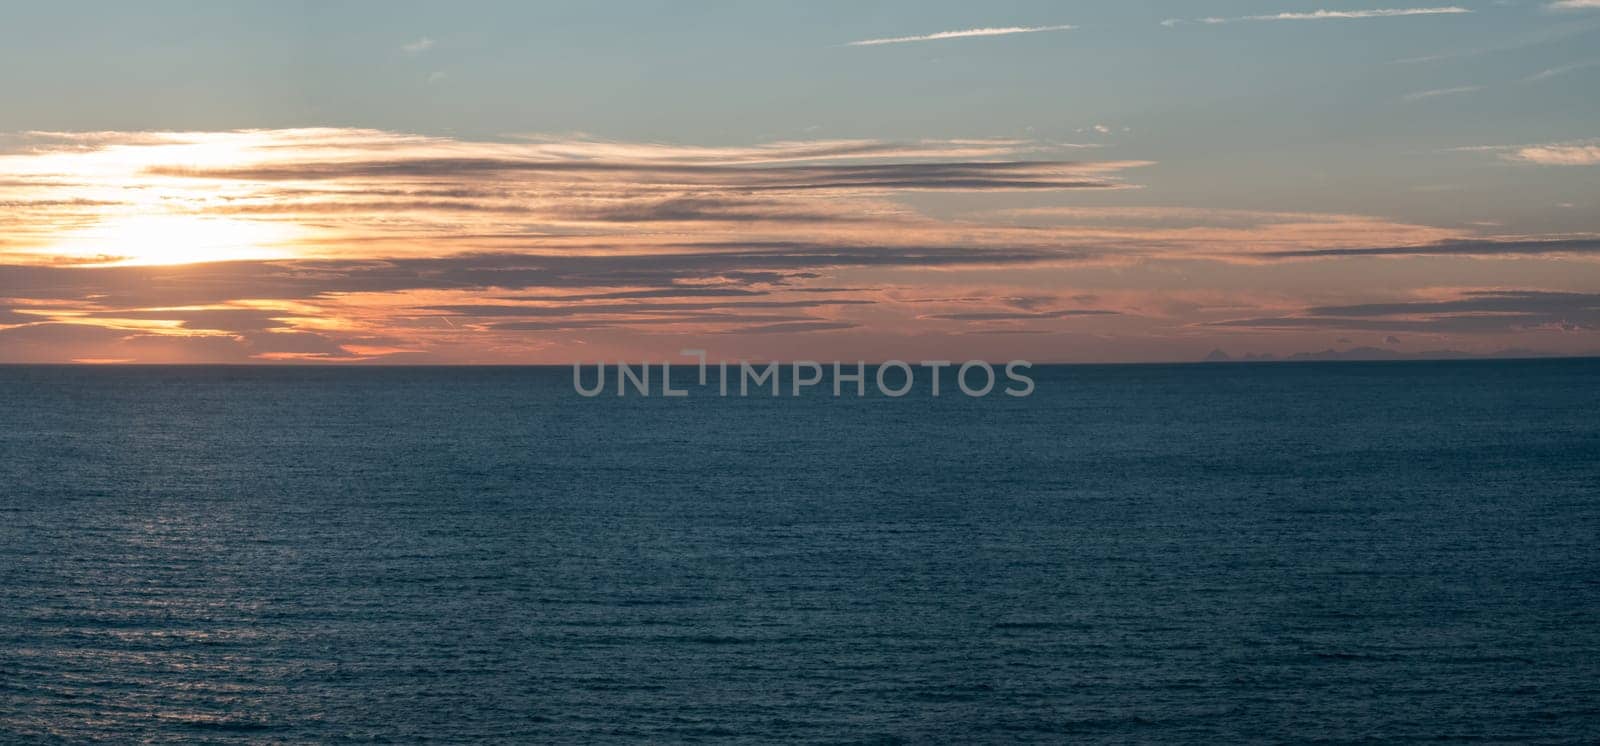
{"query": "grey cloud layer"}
[(398, 245), (1002, 175), (1486, 247), (218, 282), (1474, 312)]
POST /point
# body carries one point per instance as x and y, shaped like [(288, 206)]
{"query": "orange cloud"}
[(352, 245)]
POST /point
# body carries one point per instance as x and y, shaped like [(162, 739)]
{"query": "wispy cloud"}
[(1559, 154), (1514, 43), (1571, 153), (1435, 93), (1534, 78), (962, 34), (1574, 4), (418, 47), (1559, 71), (1326, 15)]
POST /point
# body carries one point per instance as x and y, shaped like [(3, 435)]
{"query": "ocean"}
[(1171, 553)]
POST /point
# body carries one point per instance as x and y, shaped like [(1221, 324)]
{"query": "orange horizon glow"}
[(368, 246)]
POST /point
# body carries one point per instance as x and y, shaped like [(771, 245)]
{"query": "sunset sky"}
[(545, 183)]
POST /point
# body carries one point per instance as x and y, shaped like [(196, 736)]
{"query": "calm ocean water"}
[(1177, 553)]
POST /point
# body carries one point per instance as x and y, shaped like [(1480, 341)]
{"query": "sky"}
[(486, 182)]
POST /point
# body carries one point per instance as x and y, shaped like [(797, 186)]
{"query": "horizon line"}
[(826, 364)]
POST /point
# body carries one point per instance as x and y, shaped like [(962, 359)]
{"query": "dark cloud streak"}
[(1476, 312), (193, 284), (1469, 247), (976, 175)]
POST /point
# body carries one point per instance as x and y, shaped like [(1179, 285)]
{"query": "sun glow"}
[(174, 239), (97, 199)]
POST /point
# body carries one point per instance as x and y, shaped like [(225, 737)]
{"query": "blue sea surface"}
[(1187, 553)]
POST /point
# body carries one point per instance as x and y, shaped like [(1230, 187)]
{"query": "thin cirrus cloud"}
[(1574, 5), (1437, 92), (1326, 15), (1559, 154), (419, 46), (1573, 153), (1514, 43), (1542, 75), (1554, 72), (961, 34)]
